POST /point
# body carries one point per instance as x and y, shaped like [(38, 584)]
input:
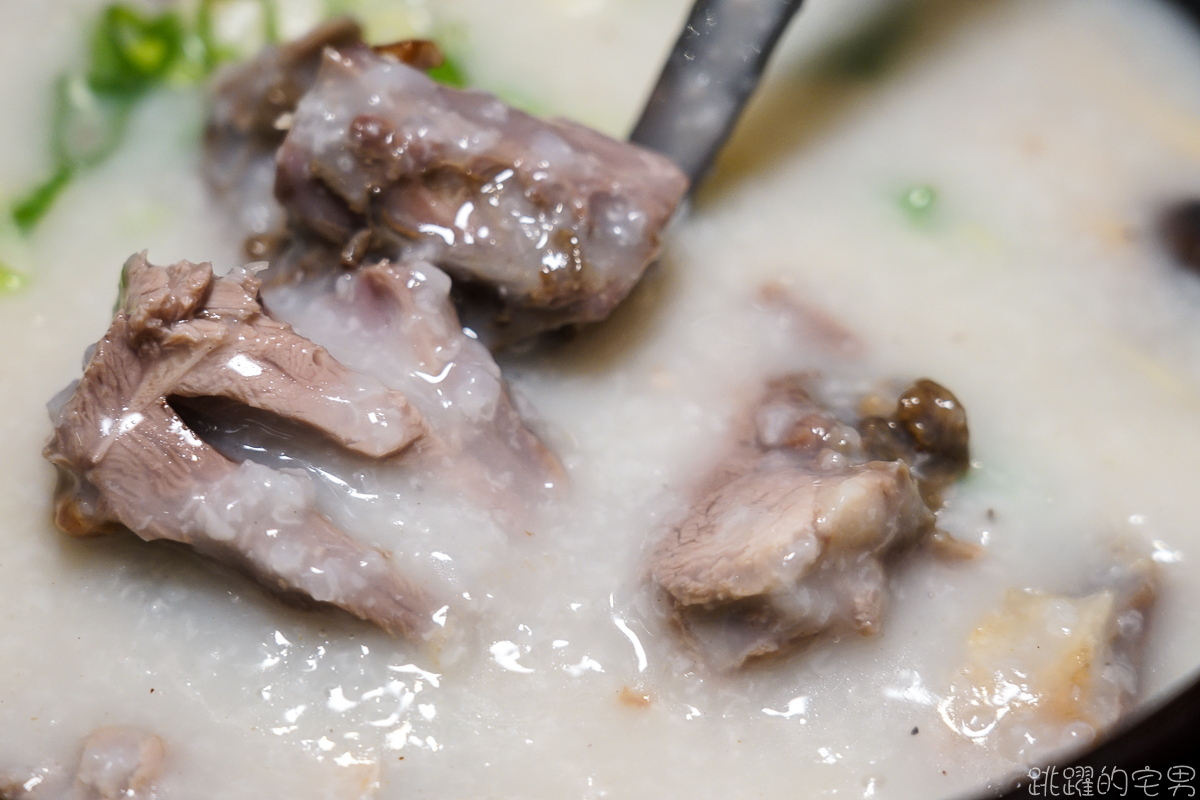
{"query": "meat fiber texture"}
[(553, 223), (125, 457), (793, 533)]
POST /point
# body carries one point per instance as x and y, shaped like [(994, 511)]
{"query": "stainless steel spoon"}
[(710, 74)]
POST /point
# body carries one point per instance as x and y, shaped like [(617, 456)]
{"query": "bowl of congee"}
[(381, 422)]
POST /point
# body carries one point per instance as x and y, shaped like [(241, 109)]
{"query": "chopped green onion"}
[(11, 280), (270, 22), (448, 73), (919, 201), (87, 128), (131, 52), (30, 209), (214, 54)]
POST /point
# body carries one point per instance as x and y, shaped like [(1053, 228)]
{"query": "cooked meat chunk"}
[(792, 534), (119, 762), (251, 110), (540, 223), (251, 99), (125, 457), (554, 221), (192, 335), (396, 321), (782, 553), (1049, 672), (451, 377), (788, 417)]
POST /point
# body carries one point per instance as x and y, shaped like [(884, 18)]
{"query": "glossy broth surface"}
[(1048, 136)]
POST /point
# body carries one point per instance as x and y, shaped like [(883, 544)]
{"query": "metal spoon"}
[(710, 74)]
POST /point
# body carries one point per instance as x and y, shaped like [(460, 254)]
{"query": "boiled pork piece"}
[(251, 108), (782, 553), (452, 379), (552, 221), (125, 457), (793, 533), (396, 321)]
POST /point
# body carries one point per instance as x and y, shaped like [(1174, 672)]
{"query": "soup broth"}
[(971, 192)]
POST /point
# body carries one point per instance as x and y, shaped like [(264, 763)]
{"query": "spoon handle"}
[(711, 72)]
